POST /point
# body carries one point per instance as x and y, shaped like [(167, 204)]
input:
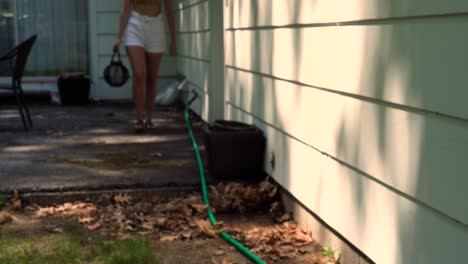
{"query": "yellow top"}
[(147, 7)]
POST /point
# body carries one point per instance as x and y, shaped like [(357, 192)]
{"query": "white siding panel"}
[(252, 13), (421, 64), (388, 227), (420, 156), (194, 45)]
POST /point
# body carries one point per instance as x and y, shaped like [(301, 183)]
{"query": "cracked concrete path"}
[(94, 147)]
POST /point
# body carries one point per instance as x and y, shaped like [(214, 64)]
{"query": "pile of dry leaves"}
[(12, 205), (284, 241), (184, 217), (238, 197), (177, 218)]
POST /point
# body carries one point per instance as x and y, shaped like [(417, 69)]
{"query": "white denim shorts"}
[(147, 32)]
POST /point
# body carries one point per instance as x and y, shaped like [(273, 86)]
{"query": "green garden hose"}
[(223, 234)]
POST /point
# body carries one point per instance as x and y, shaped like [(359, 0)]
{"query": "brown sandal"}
[(139, 126)]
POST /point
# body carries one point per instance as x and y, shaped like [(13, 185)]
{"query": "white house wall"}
[(364, 107), (194, 59)]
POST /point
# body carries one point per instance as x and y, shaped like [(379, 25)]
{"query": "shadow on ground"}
[(93, 147)]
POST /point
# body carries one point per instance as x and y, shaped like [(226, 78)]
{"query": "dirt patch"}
[(178, 226), (120, 161), (43, 233)]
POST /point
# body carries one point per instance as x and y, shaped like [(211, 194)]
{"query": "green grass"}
[(72, 247), (125, 251), (57, 251)]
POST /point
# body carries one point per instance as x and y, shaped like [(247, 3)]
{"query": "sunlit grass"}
[(72, 246), (128, 251)]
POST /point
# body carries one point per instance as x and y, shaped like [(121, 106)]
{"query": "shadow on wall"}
[(399, 122), (193, 26), (396, 158)]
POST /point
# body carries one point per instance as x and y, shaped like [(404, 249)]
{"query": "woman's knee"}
[(139, 76)]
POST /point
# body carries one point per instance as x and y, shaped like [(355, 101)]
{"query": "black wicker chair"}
[(17, 58)]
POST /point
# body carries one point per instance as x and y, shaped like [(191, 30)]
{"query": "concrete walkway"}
[(93, 147)]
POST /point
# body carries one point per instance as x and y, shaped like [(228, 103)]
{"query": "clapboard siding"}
[(363, 104), (193, 48), (421, 64), (387, 227), (258, 13)]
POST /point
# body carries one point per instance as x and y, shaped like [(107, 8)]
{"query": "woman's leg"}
[(137, 58), (153, 60)]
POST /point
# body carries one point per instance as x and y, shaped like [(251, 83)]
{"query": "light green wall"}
[(193, 40), (200, 53), (364, 107), (104, 23)]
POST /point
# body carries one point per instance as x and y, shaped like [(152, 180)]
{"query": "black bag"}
[(116, 74)]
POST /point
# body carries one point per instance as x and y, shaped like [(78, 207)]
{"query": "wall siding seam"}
[(363, 22), (190, 5), (112, 12), (107, 12), (437, 212), (402, 107), (202, 31), (109, 33), (92, 42), (165, 77), (106, 34), (208, 61)]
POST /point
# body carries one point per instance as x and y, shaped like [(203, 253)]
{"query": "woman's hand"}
[(116, 46)]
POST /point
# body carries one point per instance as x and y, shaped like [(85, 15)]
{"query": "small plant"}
[(328, 252)]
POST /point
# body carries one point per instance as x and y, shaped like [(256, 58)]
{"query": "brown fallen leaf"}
[(169, 238), (252, 196), (5, 218), (95, 226), (227, 261), (285, 217), (161, 221), (57, 230), (185, 210), (118, 216), (122, 198), (85, 220), (264, 186), (273, 191), (199, 208), (187, 235), (219, 253), (15, 201), (300, 237), (276, 210), (130, 228), (147, 226), (205, 228)]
